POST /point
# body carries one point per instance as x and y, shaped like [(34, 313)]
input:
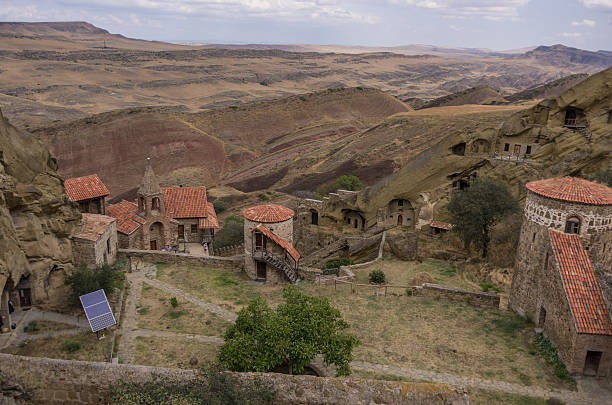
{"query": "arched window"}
[(572, 225), (155, 203), (570, 117), (142, 204)]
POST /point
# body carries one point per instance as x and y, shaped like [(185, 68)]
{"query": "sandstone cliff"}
[(36, 219)]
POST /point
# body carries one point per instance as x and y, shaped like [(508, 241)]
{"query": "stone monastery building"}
[(164, 216), (269, 254), (563, 276), (89, 192)]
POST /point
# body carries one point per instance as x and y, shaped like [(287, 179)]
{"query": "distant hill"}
[(564, 56), (548, 90), (483, 95), (55, 28)]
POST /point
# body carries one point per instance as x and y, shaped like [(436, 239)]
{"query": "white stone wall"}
[(553, 214)]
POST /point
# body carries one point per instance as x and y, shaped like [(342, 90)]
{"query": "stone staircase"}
[(585, 132), (280, 264)]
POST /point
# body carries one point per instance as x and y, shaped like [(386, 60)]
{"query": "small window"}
[(108, 245), (506, 147), (194, 228), (572, 225), (528, 151), (400, 203)]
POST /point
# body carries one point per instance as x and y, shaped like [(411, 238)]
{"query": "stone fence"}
[(37, 381), (232, 250), (476, 298), (154, 256)]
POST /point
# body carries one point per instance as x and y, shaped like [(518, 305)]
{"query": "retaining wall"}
[(477, 298), (234, 263), (55, 382)]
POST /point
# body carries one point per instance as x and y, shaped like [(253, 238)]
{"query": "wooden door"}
[(181, 231), (517, 150), (261, 270), (153, 245), (25, 297)]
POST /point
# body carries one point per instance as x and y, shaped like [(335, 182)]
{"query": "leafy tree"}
[(232, 233), (477, 209), (604, 177), (377, 277), (219, 206), (85, 280), (347, 182), (301, 328)]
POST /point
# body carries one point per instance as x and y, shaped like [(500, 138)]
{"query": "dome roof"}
[(268, 213), (572, 189)]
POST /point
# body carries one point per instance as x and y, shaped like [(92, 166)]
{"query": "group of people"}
[(169, 248)]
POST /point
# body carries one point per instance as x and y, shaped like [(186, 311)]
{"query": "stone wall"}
[(55, 382), (154, 256), (476, 298), (92, 253)]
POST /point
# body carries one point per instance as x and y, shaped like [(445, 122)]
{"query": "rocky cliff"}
[(36, 219)]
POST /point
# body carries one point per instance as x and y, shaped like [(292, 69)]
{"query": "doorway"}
[(25, 297), (542, 318), (261, 271), (153, 245), (517, 150), (181, 231), (314, 217), (591, 363), (400, 220), (260, 241)]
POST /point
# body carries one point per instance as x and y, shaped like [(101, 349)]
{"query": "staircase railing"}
[(279, 264)]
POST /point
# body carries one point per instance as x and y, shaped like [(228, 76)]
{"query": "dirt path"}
[(569, 397), (180, 336), (128, 323)]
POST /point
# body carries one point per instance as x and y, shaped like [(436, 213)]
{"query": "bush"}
[(409, 292), (335, 264), (549, 353), (174, 302), (219, 206), (212, 386), (263, 197), (347, 182), (489, 286), (231, 234), (377, 277), (31, 327), (71, 347), (85, 280)]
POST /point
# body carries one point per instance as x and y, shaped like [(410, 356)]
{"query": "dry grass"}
[(156, 313), (55, 347), (162, 352), (418, 332), (43, 326)]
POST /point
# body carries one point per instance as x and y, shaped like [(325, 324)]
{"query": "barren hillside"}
[(475, 95)]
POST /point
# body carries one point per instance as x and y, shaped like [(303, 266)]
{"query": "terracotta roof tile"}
[(211, 218), (268, 213), (573, 189), (185, 202), (93, 226), (284, 243), (85, 188), (127, 216), (441, 225), (583, 291)]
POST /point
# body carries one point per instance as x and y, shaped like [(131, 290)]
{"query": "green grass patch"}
[(71, 347), (225, 279), (550, 354), (175, 314), (143, 311)]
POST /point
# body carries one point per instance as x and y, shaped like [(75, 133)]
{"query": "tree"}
[(300, 329), (85, 280), (350, 182), (604, 177), (477, 209), (232, 233)]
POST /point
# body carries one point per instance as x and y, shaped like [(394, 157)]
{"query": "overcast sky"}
[(495, 24)]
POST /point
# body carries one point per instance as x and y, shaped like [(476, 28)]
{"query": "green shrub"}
[(212, 386), (335, 264), (175, 314), (174, 302), (489, 286), (347, 182), (302, 98), (71, 346), (219, 206), (263, 197), (231, 234), (377, 277), (550, 354), (409, 292), (84, 280), (143, 310), (31, 327)]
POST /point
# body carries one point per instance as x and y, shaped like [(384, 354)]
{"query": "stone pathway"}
[(128, 322), (569, 397), (215, 309), (180, 336)]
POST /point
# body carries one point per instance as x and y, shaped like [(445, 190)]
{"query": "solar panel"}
[(97, 310)]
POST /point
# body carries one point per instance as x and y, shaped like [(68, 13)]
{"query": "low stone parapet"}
[(54, 382), (233, 263), (477, 298)]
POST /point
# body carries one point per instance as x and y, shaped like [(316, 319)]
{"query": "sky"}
[(493, 24)]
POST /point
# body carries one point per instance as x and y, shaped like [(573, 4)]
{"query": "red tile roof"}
[(93, 226), (585, 297), (268, 213), (85, 188), (285, 244), (573, 189), (127, 216), (211, 218), (441, 225), (185, 202)]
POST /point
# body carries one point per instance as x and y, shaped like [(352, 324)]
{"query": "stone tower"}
[(157, 231)]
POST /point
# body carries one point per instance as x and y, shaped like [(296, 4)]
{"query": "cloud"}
[(585, 22), (601, 5), (488, 9), (287, 10), (571, 34)]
